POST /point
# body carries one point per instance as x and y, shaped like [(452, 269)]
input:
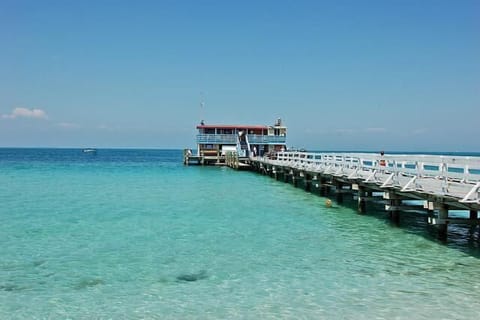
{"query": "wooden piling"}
[(362, 205), (473, 214), (323, 187), (339, 193), (307, 182), (443, 226)]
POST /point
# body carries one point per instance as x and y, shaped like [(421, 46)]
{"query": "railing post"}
[(444, 177)]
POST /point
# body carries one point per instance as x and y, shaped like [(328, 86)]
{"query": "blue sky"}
[(343, 75)]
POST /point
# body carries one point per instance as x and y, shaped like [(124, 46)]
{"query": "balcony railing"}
[(232, 139), (216, 138), (260, 139)]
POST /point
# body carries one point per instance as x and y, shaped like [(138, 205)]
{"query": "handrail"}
[(461, 168), (266, 139), (216, 138), (232, 138)]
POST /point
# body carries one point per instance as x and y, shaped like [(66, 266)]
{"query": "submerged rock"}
[(38, 263), (89, 283), (10, 287), (190, 277)]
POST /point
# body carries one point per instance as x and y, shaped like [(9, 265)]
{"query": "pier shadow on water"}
[(460, 237)]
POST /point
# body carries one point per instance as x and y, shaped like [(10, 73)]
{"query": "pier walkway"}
[(443, 182)]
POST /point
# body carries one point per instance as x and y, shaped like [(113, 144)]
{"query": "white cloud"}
[(419, 131), (26, 113), (344, 131), (376, 130), (106, 127), (68, 125)]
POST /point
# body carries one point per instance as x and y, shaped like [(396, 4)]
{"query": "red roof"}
[(228, 126)]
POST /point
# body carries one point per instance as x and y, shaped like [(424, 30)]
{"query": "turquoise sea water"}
[(134, 234)]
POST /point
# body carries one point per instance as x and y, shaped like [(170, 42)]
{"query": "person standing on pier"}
[(382, 162)]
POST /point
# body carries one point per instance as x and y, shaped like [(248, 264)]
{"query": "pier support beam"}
[(430, 207), (394, 202), (362, 204), (314, 184), (473, 217), (323, 187), (270, 170), (300, 180), (473, 214), (339, 189), (278, 173), (395, 214), (308, 182), (443, 227), (264, 170)]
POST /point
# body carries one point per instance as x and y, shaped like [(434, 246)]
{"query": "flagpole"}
[(202, 107)]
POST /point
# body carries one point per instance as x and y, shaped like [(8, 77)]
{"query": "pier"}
[(442, 183), (434, 184)]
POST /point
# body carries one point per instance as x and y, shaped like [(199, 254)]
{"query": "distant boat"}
[(89, 150)]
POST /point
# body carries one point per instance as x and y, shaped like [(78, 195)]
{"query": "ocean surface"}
[(134, 234)]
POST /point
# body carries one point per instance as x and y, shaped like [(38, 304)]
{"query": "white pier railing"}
[(444, 176)]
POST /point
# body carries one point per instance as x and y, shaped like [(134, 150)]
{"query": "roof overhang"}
[(228, 126)]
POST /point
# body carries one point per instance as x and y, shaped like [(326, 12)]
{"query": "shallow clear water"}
[(122, 234)]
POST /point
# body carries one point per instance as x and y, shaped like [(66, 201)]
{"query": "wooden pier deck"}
[(230, 159), (443, 183)]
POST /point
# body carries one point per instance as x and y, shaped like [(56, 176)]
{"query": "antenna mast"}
[(202, 107)]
